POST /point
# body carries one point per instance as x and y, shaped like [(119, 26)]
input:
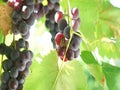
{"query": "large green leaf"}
[(88, 57), (47, 76), (43, 74), (92, 65), (112, 75), (72, 77)]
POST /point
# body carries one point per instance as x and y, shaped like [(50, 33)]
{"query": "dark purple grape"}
[(26, 36), (21, 43), (76, 53), (70, 54), (7, 65), (26, 12), (15, 29), (3, 86), (13, 84), (57, 6), (67, 32), (5, 77), (62, 24), (14, 72), (8, 52), (23, 27), (75, 42), (26, 55), (14, 54), (2, 48), (31, 20), (16, 17), (20, 64)]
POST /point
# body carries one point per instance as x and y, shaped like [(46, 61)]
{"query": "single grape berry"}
[(60, 39), (13, 84), (75, 42), (2, 48), (70, 54), (75, 13), (58, 16), (7, 65), (62, 24), (61, 51), (67, 32), (5, 77), (14, 72)]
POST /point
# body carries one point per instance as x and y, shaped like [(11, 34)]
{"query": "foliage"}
[(100, 28)]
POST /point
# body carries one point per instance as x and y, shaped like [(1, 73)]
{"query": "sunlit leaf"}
[(112, 75), (43, 74), (72, 77)]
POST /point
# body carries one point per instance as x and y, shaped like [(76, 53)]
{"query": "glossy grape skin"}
[(62, 24), (13, 83), (5, 77), (75, 13)]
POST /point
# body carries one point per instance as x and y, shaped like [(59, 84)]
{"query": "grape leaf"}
[(88, 58), (46, 73), (72, 77), (92, 65), (43, 74), (112, 75)]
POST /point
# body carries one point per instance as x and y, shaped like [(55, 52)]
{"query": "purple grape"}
[(14, 72), (23, 27), (13, 84), (7, 65), (62, 24), (16, 17), (5, 77), (75, 42), (30, 21), (2, 48), (67, 32), (3, 86), (70, 54)]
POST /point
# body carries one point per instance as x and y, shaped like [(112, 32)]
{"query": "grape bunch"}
[(68, 38), (18, 56), (23, 16), (16, 65)]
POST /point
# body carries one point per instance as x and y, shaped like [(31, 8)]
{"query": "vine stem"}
[(61, 66)]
